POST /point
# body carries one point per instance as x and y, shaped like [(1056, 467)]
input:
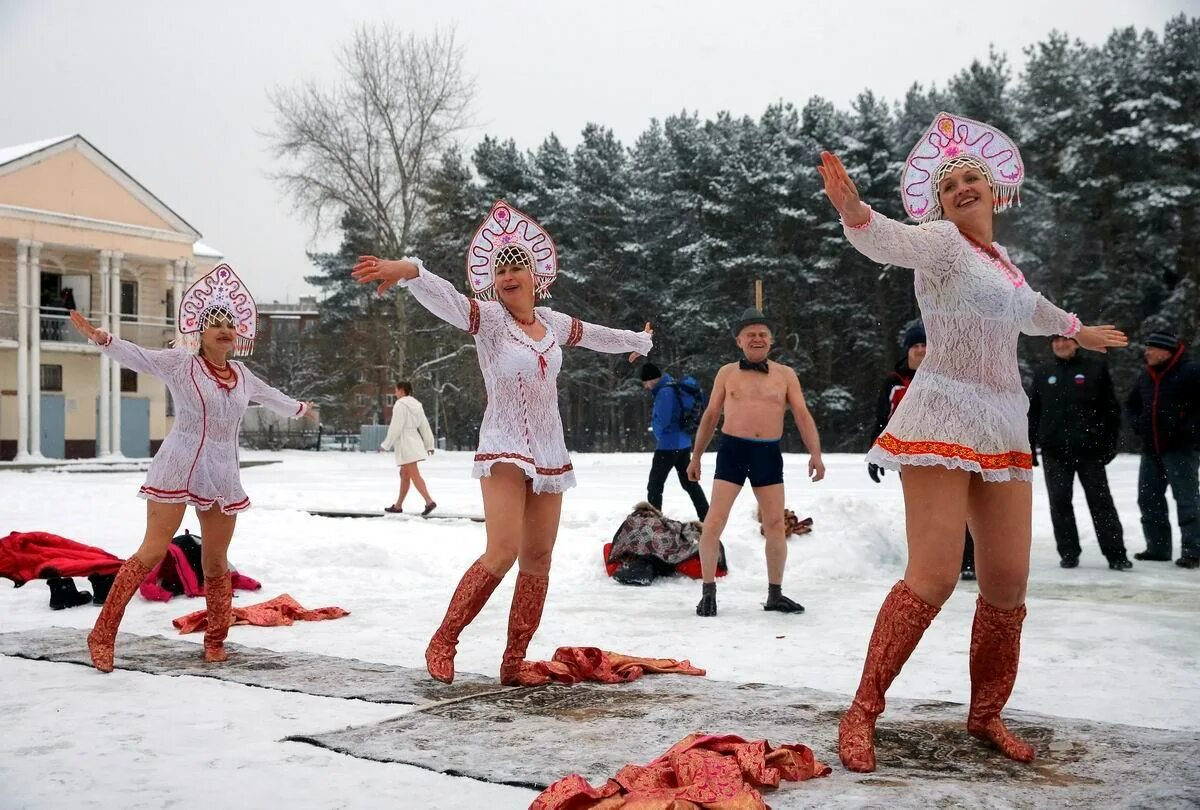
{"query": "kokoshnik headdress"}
[(218, 296), (508, 236), (953, 141)]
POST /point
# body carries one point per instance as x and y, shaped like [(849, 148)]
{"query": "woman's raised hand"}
[(369, 268), (842, 192), (84, 327), (649, 330), (1101, 338)]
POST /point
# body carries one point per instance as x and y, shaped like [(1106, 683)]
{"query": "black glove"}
[(875, 471)]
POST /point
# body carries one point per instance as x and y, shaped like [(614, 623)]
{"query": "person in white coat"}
[(412, 440)]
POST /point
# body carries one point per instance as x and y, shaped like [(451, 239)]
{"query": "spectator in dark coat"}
[(1075, 422), (1164, 409), (890, 394)]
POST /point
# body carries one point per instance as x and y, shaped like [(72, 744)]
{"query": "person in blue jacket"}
[(673, 445)]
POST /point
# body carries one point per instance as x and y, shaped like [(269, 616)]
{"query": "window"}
[(171, 306), (52, 378), (128, 381), (129, 301), (389, 400)]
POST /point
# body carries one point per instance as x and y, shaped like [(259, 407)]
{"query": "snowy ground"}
[(1119, 647)]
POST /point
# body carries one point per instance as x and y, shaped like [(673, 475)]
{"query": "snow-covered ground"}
[(1120, 647)]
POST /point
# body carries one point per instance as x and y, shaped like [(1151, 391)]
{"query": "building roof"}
[(13, 154), (10, 153), (206, 251)]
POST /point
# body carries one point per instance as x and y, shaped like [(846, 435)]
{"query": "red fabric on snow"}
[(175, 568), (575, 664), (700, 771), (283, 610), (25, 555), (689, 567)]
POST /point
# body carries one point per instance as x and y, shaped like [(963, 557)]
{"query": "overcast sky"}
[(176, 93)]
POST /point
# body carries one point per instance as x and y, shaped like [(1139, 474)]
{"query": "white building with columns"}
[(77, 230)]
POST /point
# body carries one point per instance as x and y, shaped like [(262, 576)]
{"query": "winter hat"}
[(750, 317), (1163, 340), (913, 335), (650, 372)]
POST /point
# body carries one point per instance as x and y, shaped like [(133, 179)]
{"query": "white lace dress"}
[(198, 461), (521, 424), (966, 408)]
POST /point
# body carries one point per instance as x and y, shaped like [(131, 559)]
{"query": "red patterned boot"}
[(995, 651), (523, 619), (472, 593), (103, 637), (901, 622), (218, 599)]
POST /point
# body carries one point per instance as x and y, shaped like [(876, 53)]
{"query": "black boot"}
[(1119, 562), (1146, 556), (968, 573), (63, 593), (1068, 562), (708, 600), (1188, 562), (777, 601), (100, 585)]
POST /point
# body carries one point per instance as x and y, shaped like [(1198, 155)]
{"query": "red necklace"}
[(225, 376), (529, 322)]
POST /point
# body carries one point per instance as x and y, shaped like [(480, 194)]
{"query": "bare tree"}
[(370, 141)]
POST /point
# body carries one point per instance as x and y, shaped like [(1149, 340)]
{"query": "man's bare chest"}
[(764, 392)]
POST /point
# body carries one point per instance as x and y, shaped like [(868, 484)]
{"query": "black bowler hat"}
[(750, 317)]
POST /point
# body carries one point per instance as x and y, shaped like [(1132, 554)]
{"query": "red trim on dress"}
[(987, 461), (575, 334), (187, 496), (203, 425), (472, 317), (540, 470)]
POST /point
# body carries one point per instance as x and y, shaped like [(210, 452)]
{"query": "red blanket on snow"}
[(27, 555), (700, 771), (576, 664), (282, 610)]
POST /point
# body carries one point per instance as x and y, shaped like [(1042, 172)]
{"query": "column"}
[(178, 280), (114, 312), (22, 350), (103, 448), (35, 350)]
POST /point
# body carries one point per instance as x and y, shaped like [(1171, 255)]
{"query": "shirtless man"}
[(753, 394)]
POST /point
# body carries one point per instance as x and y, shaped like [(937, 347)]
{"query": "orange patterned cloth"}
[(576, 664), (282, 610), (714, 772)]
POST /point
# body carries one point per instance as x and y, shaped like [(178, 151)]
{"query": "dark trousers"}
[(968, 560), (1181, 470), (1060, 486), (664, 461)]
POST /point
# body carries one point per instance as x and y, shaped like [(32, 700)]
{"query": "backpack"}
[(691, 403)]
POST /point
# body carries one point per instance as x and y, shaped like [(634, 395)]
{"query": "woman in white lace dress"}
[(197, 463), (522, 460), (961, 433)]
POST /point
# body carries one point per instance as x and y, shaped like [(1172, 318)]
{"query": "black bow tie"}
[(746, 365)]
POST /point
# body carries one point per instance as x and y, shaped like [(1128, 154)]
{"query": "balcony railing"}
[(55, 327)]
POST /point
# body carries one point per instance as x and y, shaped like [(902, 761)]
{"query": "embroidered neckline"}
[(993, 254)]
